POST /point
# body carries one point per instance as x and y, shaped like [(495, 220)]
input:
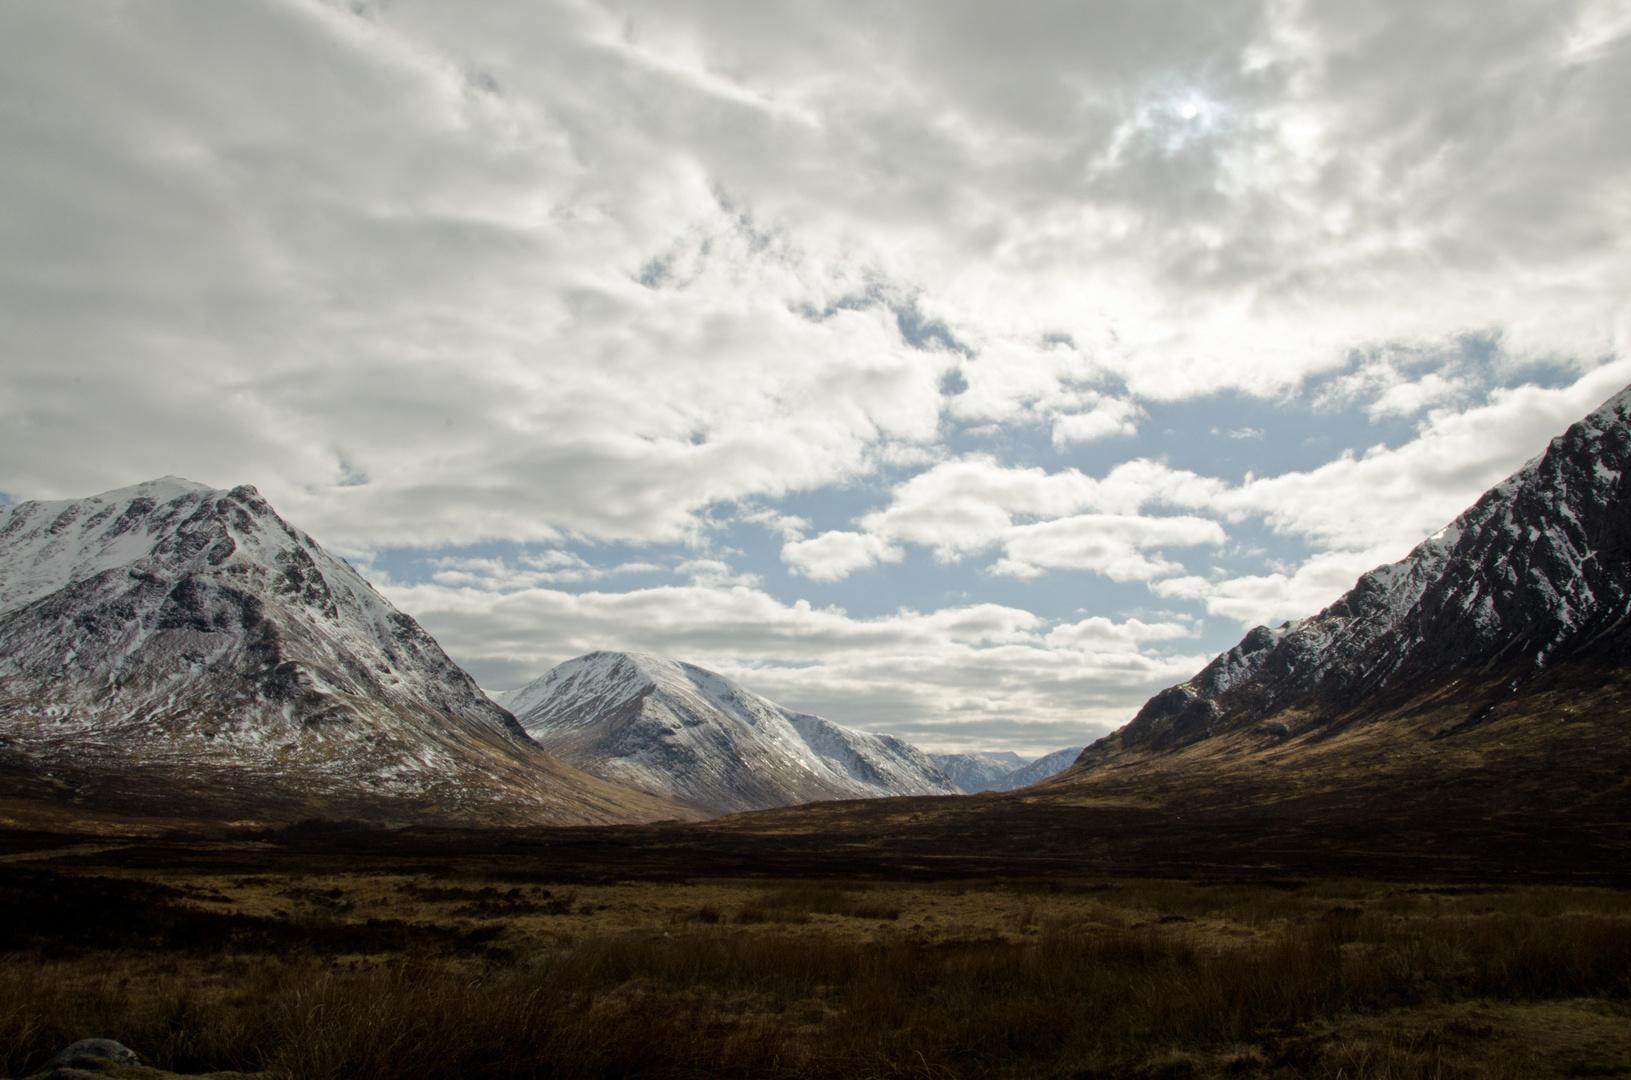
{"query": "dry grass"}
[(820, 979), (797, 903)]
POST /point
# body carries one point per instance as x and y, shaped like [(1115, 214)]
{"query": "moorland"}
[(328, 951)]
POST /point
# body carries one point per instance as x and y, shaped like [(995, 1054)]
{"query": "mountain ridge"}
[(192, 636), (974, 771), (692, 734), (1481, 674)]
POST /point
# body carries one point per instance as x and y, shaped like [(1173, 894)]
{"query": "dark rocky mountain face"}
[(170, 646), (1536, 575), (1468, 706)]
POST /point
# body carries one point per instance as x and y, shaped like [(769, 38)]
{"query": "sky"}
[(967, 371)]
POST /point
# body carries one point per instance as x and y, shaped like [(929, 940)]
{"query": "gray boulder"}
[(86, 1050)]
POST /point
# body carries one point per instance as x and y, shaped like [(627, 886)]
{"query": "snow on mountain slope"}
[(1043, 767), (192, 637), (1537, 571), (978, 771), (687, 733)]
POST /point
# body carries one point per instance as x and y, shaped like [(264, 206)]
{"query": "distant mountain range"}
[(177, 650), (173, 650), (692, 735), (180, 651), (976, 772)]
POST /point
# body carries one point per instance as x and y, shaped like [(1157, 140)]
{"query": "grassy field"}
[(418, 973)]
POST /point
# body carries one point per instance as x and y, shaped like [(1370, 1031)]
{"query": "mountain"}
[(176, 650), (686, 733), (1537, 572), (976, 771), (1462, 715), (1043, 767), (1477, 684)]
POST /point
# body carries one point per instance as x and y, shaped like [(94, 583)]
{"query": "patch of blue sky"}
[(1226, 436), (1221, 435), (1230, 434), (922, 583), (917, 582)]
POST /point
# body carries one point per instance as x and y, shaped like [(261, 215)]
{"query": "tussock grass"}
[(1144, 997), (795, 904)]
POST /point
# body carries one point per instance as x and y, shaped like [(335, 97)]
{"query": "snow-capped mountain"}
[(1043, 767), (977, 771), (170, 643), (1535, 575), (687, 733)]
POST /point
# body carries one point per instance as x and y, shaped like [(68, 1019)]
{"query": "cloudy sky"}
[(960, 369)]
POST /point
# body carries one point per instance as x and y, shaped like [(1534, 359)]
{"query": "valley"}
[(318, 955), (254, 820)]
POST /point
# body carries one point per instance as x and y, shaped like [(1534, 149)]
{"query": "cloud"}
[(714, 574), (967, 506), (834, 555), (1049, 384), (1392, 498), (547, 272), (547, 567), (1269, 599), (1361, 511), (1355, 511), (560, 274), (981, 675), (1110, 544)]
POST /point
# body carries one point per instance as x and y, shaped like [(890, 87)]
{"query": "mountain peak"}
[(689, 733), (1538, 569), (171, 626)]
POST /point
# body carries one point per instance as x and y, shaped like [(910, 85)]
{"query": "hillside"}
[(690, 734), (175, 650), (1478, 683)]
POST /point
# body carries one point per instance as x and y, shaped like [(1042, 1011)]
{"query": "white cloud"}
[(1104, 417), (1269, 599), (714, 574), (1116, 546), (1361, 511), (1392, 498), (1356, 511), (1017, 383), (299, 244), (549, 567), (1098, 634), (967, 506), (962, 507), (834, 555)]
